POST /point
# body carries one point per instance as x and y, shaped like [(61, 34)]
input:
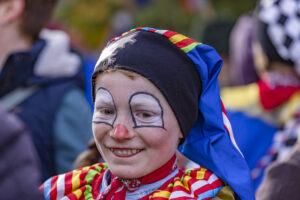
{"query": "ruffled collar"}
[(143, 190), (115, 188), (86, 183)]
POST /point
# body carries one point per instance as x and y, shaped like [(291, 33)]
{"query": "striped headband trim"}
[(182, 42)]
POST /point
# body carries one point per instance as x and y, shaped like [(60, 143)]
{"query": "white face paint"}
[(146, 110), (105, 109), (130, 151)]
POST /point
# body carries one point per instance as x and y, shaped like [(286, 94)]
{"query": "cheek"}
[(99, 131), (159, 138), (172, 127), (155, 138)]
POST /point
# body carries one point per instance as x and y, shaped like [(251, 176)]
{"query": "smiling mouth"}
[(125, 152)]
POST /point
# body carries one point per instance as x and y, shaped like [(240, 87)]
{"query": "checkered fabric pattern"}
[(283, 27)]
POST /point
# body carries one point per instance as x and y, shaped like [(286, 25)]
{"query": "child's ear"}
[(12, 10)]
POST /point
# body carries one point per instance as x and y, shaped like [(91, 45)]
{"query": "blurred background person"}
[(216, 33), (19, 169), (266, 112), (42, 82), (282, 176), (242, 70)]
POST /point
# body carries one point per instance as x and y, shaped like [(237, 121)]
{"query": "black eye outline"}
[(158, 102), (116, 114)]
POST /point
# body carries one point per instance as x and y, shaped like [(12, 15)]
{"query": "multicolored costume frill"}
[(85, 184)]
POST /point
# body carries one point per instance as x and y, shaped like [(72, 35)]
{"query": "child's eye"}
[(146, 110), (104, 114), (144, 114), (147, 117), (107, 111)]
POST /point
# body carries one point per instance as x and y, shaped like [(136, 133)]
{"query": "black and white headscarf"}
[(278, 30)]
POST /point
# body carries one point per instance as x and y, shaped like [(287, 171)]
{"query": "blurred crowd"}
[(45, 90)]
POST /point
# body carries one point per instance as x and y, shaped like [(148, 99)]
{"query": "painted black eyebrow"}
[(102, 122), (114, 105), (158, 102)]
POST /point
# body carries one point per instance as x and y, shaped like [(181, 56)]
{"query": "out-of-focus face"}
[(134, 127), (263, 65), (260, 59)]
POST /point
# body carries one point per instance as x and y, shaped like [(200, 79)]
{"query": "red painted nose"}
[(120, 132)]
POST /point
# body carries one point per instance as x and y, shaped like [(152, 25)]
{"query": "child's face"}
[(133, 125)]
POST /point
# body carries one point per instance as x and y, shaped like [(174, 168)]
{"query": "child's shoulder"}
[(197, 183), (73, 183), (204, 183)]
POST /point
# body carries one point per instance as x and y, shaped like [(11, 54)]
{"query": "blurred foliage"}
[(232, 8), (86, 20), (184, 16), (89, 21), (164, 14)]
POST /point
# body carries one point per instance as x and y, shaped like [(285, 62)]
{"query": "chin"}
[(127, 172), (128, 175)]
